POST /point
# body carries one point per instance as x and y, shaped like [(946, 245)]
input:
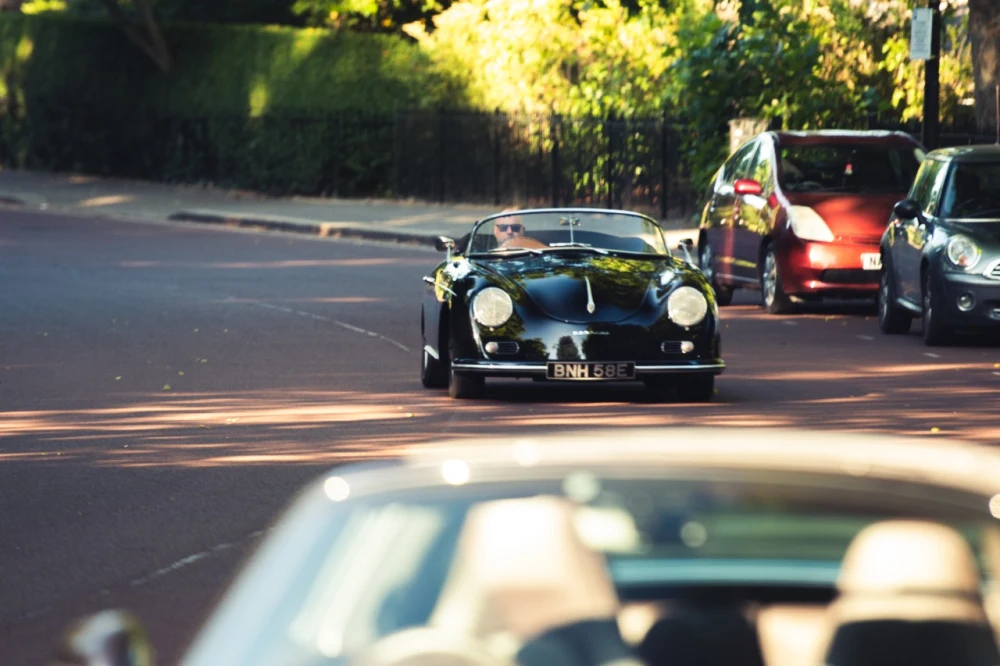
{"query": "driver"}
[(507, 229)]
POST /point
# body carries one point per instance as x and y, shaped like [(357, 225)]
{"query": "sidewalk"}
[(379, 220)]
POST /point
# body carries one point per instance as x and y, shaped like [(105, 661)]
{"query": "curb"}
[(294, 225)]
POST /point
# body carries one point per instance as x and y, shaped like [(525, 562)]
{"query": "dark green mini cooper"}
[(941, 250)]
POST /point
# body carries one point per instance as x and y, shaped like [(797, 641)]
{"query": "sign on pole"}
[(921, 33)]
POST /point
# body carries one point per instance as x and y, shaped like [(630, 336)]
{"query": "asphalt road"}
[(164, 390)]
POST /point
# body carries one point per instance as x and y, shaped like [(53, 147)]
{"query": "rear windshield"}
[(857, 168)]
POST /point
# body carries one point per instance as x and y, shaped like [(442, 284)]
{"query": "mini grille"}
[(994, 272), (996, 313), (671, 347), (507, 347), (849, 276)]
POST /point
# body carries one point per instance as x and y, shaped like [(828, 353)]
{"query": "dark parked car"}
[(799, 215), (941, 250), (569, 295)]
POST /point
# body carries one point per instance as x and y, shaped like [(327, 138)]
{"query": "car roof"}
[(576, 209), (977, 153), (935, 462), (806, 137)]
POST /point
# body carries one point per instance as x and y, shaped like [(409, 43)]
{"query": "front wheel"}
[(776, 301), (934, 331), (706, 261), (696, 388), (463, 386), (892, 319), (432, 372)]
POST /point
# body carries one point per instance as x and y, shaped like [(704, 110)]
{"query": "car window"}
[(761, 170), (547, 232), (739, 164), (862, 167), (924, 189), (972, 191)]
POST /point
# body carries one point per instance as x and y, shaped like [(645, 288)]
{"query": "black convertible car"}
[(941, 250), (569, 295)]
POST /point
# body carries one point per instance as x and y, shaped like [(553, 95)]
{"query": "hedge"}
[(273, 108)]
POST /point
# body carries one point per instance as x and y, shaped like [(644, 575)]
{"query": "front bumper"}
[(827, 269), (491, 368), (985, 312)]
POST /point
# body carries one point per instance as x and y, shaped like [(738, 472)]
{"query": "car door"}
[(754, 220), (910, 236), (727, 213)]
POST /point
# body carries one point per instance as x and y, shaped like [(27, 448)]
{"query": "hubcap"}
[(770, 278)]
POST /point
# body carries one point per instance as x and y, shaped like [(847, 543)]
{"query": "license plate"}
[(590, 371), (871, 261)]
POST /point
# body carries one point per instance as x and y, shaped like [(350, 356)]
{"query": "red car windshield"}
[(846, 167)]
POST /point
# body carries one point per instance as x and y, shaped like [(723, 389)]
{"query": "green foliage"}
[(368, 15), (207, 11), (78, 96)]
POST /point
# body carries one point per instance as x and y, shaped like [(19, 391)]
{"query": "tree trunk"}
[(984, 33), (10, 5), (146, 34)]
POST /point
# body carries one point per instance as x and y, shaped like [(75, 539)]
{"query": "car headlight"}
[(963, 252), (492, 307), (687, 306), (808, 225)]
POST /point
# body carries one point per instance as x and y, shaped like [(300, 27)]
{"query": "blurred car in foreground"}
[(569, 295), (650, 546), (941, 250), (799, 215)]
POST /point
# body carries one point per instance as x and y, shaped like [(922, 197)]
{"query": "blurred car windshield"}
[(552, 230), (973, 191), (340, 573), (865, 168)]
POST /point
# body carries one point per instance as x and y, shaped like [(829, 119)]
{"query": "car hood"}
[(557, 284), (986, 232), (851, 217)]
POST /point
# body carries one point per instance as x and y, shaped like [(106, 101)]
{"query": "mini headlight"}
[(686, 306), (492, 307), (963, 252)]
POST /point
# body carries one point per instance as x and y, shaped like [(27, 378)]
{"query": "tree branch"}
[(151, 43)]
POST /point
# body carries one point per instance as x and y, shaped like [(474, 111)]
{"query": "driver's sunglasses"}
[(516, 228)]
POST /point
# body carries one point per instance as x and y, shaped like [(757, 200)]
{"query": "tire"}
[(696, 388), (776, 301), (463, 386), (433, 373), (934, 332), (892, 319), (706, 262)]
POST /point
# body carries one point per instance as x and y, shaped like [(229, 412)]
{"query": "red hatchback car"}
[(799, 215)]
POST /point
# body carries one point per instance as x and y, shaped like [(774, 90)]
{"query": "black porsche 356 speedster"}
[(569, 294)]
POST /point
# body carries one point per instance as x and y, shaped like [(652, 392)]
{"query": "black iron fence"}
[(495, 158)]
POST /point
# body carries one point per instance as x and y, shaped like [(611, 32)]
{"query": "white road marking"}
[(790, 323), (865, 337), (932, 354), (342, 324)]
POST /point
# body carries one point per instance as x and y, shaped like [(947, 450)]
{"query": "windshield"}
[(867, 168), (554, 231), (339, 575), (973, 191)]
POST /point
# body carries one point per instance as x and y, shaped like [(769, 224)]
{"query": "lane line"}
[(335, 322)]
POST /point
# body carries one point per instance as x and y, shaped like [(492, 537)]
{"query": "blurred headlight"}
[(963, 252), (686, 306), (808, 225), (492, 307)]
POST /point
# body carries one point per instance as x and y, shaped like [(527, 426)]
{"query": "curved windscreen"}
[(973, 192), (845, 167), (550, 231)]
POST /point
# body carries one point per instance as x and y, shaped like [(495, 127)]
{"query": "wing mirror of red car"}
[(907, 209), (747, 186), (107, 638)]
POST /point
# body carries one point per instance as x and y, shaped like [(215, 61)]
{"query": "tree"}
[(984, 31), (143, 30)]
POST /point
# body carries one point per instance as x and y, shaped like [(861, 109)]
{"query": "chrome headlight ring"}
[(963, 252), (492, 307), (687, 306)]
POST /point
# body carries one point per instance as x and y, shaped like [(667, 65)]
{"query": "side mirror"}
[(685, 246), (108, 638), (747, 186), (907, 209), (444, 244)]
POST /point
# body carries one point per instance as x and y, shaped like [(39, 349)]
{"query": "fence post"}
[(554, 135), (440, 170), (496, 155), (609, 162)]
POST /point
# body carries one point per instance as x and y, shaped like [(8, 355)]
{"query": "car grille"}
[(671, 347), (993, 271), (849, 276), (506, 347)]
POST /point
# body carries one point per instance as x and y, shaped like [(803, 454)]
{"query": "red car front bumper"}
[(828, 269)]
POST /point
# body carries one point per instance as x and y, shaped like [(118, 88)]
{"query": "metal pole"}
[(932, 102)]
